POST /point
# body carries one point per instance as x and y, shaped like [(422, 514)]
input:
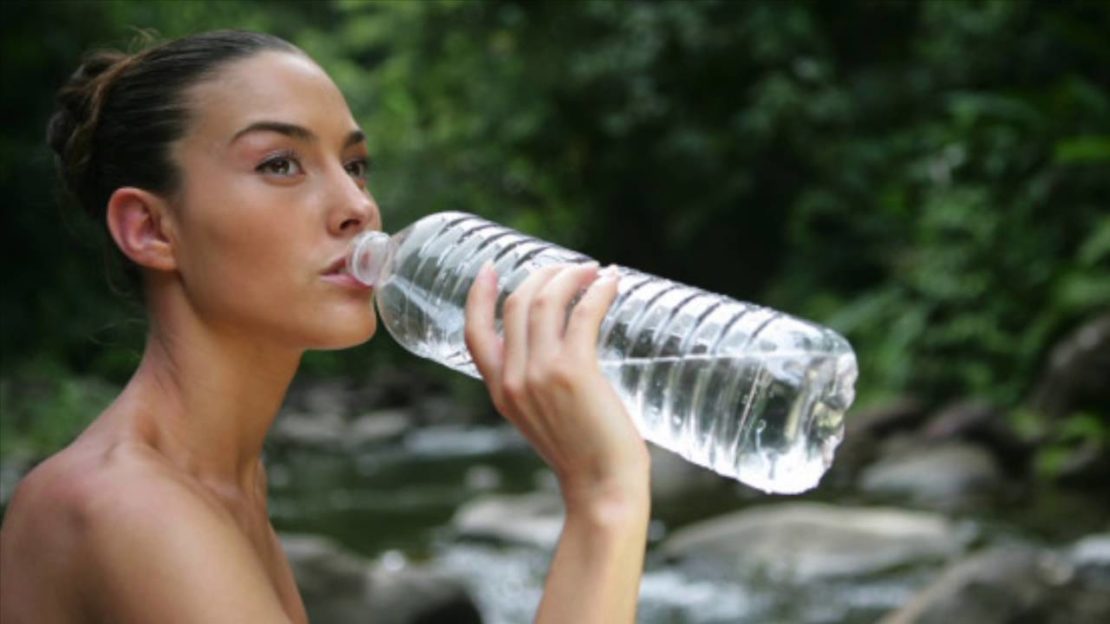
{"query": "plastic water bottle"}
[(749, 392)]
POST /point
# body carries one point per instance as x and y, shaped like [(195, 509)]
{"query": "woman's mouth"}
[(338, 274)]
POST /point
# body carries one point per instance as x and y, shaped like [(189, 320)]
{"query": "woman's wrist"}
[(615, 501), (615, 516), (595, 573)]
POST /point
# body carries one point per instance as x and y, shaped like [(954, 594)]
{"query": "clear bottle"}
[(749, 392)]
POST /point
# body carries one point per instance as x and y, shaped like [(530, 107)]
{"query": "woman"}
[(231, 175)]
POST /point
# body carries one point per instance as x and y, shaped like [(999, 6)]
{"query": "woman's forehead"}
[(270, 85)]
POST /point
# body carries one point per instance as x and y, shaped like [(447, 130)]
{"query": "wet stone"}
[(807, 541)]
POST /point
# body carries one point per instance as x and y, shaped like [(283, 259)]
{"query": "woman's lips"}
[(337, 274), (339, 265), (346, 280)]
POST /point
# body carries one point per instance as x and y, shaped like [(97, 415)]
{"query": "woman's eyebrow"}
[(354, 138), (296, 132), (281, 127)]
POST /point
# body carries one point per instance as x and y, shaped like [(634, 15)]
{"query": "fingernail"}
[(609, 272), (487, 270)]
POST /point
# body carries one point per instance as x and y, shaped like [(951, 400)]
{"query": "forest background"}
[(931, 179)]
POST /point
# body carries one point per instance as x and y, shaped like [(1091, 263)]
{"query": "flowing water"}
[(396, 503)]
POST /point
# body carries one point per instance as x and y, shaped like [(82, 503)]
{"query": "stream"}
[(395, 502)]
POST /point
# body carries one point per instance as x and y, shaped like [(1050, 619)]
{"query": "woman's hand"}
[(544, 377)]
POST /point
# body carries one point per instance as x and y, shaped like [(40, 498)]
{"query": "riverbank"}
[(393, 499)]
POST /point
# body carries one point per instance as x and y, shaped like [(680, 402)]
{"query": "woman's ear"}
[(141, 228)]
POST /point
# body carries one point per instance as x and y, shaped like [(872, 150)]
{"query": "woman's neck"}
[(205, 400)]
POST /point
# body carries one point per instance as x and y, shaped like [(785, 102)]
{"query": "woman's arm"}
[(595, 574), (545, 378)]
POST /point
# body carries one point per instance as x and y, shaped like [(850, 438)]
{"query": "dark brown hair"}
[(118, 114)]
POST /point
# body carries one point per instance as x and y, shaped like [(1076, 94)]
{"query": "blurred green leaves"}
[(1083, 150), (930, 178), (45, 406)]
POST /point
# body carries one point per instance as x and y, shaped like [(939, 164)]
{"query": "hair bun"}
[(70, 129)]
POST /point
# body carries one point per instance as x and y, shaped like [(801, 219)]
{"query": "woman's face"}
[(273, 190)]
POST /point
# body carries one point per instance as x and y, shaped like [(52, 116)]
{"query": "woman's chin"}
[(351, 335)]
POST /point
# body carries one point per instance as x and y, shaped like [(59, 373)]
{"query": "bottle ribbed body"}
[(749, 392)]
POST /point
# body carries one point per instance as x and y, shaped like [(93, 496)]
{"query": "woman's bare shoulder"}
[(109, 522), (83, 484), (84, 493), (56, 511)]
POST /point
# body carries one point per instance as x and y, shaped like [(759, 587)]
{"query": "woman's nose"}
[(354, 209)]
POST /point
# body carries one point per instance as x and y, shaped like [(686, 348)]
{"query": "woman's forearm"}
[(595, 573), (543, 376)]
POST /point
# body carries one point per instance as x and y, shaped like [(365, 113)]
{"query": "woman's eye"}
[(358, 168), (282, 166)]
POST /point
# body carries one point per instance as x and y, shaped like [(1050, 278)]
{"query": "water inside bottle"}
[(744, 390), (761, 419), (765, 420)]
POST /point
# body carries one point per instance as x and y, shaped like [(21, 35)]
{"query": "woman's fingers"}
[(547, 322), (515, 321), (481, 332), (585, 319), (537, 331), (543, 375)]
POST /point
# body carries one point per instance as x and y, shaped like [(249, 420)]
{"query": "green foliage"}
[(929, 178), (1082, 435), (43, 407)]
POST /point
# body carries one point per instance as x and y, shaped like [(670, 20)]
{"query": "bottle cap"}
[(368, 254)]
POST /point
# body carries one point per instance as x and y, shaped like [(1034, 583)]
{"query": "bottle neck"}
[(368, 254)]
